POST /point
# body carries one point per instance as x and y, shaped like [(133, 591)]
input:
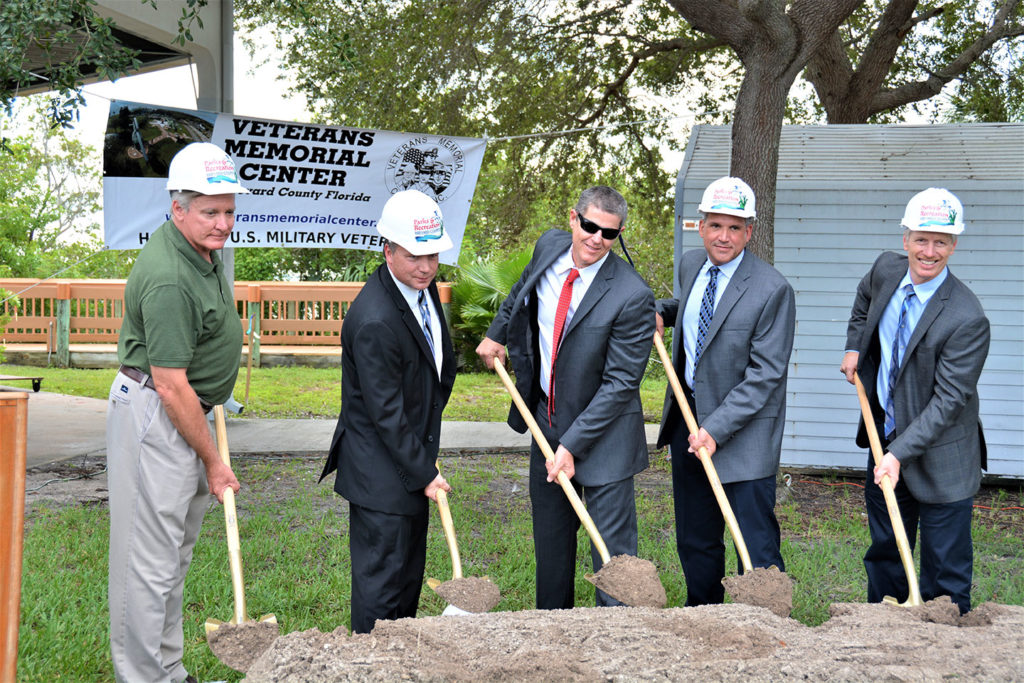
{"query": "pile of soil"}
[(713, 642)]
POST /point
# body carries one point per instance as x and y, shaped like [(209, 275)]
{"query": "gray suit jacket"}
[(601, 361), (938, 439), (739, 385)]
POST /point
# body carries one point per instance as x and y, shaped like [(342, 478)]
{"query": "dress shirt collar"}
[(727, 269), (924, 291), (411, 294), (564, 263)]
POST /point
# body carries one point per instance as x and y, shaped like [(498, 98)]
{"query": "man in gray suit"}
[(918, 338), (579, 326), (734, 335)]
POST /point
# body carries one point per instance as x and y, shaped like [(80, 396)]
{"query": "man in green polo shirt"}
[(179, 348)]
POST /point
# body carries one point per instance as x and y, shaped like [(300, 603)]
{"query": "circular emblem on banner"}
[(432, 165)]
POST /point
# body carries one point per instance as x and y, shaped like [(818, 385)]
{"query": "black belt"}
[(147, 381), (138, 375)]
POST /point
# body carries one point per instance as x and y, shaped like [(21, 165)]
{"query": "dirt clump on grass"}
[(470, 593), (712, 642), (238, 645), (630, 580), (762, 587)]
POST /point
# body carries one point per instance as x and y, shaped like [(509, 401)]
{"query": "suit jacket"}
[(938, 438), (601, 360), (739, 385), (386, 442)]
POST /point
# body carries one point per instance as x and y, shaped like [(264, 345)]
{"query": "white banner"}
[(312, 186)]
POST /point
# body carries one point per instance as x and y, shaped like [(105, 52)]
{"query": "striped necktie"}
[(899, 346), (707, 312), (425, 314)]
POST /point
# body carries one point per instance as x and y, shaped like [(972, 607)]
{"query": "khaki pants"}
[(158, 497)]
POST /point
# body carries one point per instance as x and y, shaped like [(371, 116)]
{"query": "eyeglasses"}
[(591, 227)]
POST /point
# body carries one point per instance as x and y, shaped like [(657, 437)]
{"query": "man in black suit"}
[(585, 390), (918, 339), (398, 368)]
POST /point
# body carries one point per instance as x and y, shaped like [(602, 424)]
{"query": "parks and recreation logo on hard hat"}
[(220, 171), (936, 214), (731, 197), (427, 229), (432, 164)]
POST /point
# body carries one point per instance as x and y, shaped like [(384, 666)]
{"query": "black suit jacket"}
[(938, 439), (386, 442), (601, 361)]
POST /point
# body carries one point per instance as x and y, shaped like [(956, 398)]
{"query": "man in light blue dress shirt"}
[(918, 338)]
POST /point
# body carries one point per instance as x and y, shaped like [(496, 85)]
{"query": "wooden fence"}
[(58, 313)]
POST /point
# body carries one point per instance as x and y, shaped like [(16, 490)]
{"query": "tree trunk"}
[(756, 129)]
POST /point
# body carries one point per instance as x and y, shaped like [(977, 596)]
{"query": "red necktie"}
[(564, 299)]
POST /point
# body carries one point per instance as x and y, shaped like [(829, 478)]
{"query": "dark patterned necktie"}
[(707, 312), (425, 314), (899, 345), (564, 299)]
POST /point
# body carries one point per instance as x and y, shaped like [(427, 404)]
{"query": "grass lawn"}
[(295, 555), (295, 543), (316, 392)]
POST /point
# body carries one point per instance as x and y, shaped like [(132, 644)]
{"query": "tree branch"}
[(922, 90), (614, 89)]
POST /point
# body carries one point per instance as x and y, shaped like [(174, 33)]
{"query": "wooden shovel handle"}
[(538, 436), (449, 530), (899, 531), (704, 456), (231, 520)]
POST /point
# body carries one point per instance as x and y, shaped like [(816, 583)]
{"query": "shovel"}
[(761, 587), (914, 596), (465, 595), (236, 643), (630, 580)]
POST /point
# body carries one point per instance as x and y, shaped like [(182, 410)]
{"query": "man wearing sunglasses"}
[(578, 325), (734, 324)]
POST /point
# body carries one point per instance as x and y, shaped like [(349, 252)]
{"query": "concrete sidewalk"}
[(63, 427)]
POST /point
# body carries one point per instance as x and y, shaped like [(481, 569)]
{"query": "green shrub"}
[(481, 287)]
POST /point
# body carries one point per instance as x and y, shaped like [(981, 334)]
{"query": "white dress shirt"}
[(412, 297), (549, 289)]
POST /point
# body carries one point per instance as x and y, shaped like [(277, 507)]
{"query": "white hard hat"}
[(730, 196), (413, 220), (205, 168), (934, 210)]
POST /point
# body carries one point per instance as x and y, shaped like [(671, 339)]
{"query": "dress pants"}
[(158, 497), (555, 526), (700, 525), (947, 553), (389, 555)]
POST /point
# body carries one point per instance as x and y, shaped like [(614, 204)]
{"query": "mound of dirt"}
[(713, 642)]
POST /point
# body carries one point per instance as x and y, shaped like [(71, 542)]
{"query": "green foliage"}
[(61, 42), (34, 39), (305, 265), (49, 195), (504, 68), (481, 287)]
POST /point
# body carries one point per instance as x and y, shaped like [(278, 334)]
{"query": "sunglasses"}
[(591, 227)]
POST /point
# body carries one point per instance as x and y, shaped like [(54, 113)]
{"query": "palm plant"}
[(478, 292)]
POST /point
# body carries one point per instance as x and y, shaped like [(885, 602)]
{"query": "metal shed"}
[(840, 196)]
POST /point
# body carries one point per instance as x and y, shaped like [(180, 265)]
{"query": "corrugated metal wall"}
[(841, 194)]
